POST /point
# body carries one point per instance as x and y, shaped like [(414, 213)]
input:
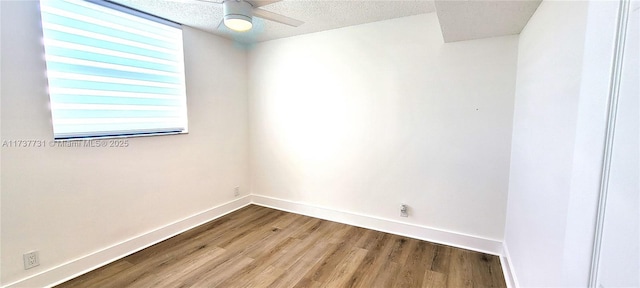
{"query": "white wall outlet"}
[(404, 210), (236, 191), (31, 259)]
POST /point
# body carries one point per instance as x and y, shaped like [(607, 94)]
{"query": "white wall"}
[(564, 61), (364, 118), (69, 202), (358, 119)]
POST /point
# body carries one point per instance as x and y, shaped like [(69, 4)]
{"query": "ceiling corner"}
[(476, 19)]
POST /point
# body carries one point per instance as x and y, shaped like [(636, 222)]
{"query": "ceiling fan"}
[(238, 14)]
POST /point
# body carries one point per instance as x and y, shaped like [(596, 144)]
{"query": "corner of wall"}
[(82, 265), (450, 238), (507, 267), (87, 263)]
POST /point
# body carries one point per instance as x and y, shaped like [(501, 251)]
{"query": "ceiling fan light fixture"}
[(237, 15), (239, 24)]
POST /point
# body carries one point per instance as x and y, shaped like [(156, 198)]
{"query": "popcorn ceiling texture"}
[(459, 20), (317, 15)]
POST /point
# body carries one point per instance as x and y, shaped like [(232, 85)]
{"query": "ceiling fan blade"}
[(264, 14), (260, 3)]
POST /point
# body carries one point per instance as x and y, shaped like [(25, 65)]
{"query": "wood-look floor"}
[(261, 247)]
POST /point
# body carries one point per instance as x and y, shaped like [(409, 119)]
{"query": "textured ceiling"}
[(317, 15), (459, 19)]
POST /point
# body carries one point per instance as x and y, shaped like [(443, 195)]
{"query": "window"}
[(112, 71)]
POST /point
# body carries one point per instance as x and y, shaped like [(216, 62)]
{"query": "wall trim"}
[(81, 265), (612, 112), (455, 239), (507, 268)]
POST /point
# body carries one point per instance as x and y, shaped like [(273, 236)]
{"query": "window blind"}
[(112, 72)]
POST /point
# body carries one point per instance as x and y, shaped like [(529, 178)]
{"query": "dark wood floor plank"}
[(262, 247)]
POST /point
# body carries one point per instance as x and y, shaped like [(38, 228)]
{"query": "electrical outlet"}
[(31, 259), (404, 210), (236, 191)]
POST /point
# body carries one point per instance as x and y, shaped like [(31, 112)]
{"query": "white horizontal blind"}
[(112, 72)]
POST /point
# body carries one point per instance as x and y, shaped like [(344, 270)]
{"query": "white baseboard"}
[(507, 268), (84, 264), (384, 225)]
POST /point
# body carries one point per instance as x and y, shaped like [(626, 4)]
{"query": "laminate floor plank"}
[(460, 270), (344, 269), (262, 247), (388, 275), (282, 256), (441, 259), (95, 277), (296, 272), (264, 279), (412, 272), (257, 267), (322, 269), (403, 247), (497, 275), (434, 279), (483, 271), (177, 244), (365, 274), (169, 273)]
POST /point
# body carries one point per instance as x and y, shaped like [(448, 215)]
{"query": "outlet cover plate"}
[(404, 210), (31, 259)]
